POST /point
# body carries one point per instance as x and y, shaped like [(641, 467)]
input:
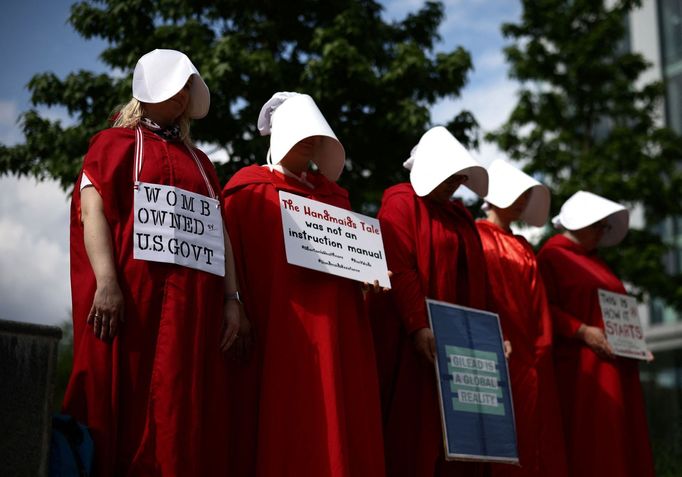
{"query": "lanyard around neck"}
[(139, 159)]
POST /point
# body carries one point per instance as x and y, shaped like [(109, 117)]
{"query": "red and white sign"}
[(332, 240)]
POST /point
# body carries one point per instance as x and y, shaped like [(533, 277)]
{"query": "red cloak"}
[(601, 399), (153, 397), (308, 400), (433, 251), (525, 318)]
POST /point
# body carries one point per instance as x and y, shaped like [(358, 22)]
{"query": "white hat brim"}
[(299, 118), (584, 208), (438, 156), (161, 74), (507, 183), (537, 209)]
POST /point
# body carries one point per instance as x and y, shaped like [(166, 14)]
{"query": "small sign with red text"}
[(622, 325), (332, 240)]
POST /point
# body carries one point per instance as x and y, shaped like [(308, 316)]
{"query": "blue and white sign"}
[(473, 382)]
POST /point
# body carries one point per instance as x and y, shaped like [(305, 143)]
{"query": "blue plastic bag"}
[(71, 448)]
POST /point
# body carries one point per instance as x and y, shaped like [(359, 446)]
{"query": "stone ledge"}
[(664, 337), (33, 329)]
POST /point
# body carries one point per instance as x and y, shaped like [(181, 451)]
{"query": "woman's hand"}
[(106, 312), (244, 342), (375, 287), (507, 349), (425, 343), (594, 338), (232, 307), (231, 324)]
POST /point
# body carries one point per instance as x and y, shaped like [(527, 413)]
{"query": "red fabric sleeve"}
[(109, 159), (542, 310), (539, 303), (397, 219), (565, 324)]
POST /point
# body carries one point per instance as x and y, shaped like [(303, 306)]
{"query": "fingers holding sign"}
[(425, 343), (375, 286), (596, 339), (507, 349)]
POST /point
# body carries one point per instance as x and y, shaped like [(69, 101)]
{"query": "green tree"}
[(585, 121), (374, 80)]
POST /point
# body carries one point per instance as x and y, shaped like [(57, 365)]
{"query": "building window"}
[(670, 230), (671, 32), (670, 21)]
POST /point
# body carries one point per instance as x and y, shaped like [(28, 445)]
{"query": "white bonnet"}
[(292, 117), (507, 183), (439, 155), (585, 208), (161, 74)]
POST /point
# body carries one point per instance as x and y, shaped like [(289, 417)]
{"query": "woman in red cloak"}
[(600, 395), (309, 402), (521, 303), (151, 389), (433, 249)]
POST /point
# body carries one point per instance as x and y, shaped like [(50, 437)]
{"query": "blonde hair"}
[(130, 114)]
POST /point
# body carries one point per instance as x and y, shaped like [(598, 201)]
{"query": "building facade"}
[(656, 32)]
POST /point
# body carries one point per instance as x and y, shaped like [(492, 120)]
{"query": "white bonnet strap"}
[(139, 160)]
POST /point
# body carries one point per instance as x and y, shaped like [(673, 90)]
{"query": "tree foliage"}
[(584, 120), (374, 80)]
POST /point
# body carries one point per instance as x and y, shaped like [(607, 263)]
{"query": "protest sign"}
[(332, 240), (173, 225), (476, 407), (621, 324)]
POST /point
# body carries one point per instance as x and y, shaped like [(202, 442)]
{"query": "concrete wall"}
[(28, 360)]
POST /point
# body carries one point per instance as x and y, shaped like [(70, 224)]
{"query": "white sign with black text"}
[(173, 225), (332, 240), (622, 325)]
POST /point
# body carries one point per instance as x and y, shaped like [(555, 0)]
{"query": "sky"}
[(34, 216)]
